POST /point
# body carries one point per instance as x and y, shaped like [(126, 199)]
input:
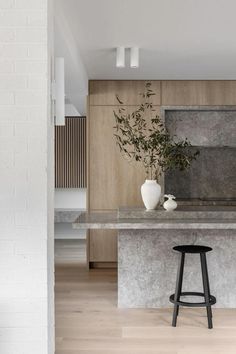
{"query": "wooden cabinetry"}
[(204, 93), (113, 181), (103, 93), (102, 248)]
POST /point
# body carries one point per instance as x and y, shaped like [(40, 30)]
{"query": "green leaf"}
[(144, 138), (118, 99)]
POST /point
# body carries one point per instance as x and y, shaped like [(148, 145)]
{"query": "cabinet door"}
[(103, 93), (103, 246), (180, 93), (113, 180)]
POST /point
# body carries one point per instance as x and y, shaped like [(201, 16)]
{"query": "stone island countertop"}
[(185, 217), (146, 261)]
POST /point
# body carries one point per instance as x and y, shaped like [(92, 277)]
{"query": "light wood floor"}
[(89, 322)]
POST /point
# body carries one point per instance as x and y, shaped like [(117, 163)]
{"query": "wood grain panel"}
[(104, 92), (198, 93), (103, 245), (70, 154), (113, 180)]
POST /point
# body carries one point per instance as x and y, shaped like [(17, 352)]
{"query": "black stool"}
[(209, 299)]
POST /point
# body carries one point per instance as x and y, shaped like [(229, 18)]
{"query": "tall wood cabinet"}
[(113, 181)]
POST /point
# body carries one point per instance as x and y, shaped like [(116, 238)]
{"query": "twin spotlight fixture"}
[(120, 57)]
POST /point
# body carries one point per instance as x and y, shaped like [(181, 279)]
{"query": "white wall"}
[(65, 231), (26, 273), (70, 198), (71, 111), (50, 184)]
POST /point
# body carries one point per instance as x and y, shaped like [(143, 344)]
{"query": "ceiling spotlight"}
[(134, 57), (120, 57)]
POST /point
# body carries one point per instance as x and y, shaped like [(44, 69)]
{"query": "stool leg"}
[(178, 288), (206, 288)]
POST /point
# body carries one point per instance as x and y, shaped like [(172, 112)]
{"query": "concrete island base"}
[(147, 266)]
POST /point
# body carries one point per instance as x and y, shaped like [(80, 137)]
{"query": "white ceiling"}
[(178, 39)]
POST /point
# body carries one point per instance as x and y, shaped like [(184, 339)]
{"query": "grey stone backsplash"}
[(213, 175), (203, 128)]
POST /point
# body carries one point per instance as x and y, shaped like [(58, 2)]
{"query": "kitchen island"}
[(146, 262)]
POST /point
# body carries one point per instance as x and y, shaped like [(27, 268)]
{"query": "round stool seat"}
[(192, 249)]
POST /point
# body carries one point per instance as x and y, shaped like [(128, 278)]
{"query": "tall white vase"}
[(151, 193)]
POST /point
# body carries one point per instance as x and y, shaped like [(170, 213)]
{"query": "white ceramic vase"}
[(151, 193), (170, 204)]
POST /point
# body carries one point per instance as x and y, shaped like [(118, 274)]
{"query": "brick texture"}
[(24, 221)]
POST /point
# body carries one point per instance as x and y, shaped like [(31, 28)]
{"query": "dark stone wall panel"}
[(203, 128), (212, 176), (213, 132)]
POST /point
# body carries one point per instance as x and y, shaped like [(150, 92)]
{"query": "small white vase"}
[(151, 192), (170, 204)]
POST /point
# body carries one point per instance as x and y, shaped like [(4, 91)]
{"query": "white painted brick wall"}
[(26, 179)]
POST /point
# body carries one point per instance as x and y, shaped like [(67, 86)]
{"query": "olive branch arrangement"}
[(141, 136)]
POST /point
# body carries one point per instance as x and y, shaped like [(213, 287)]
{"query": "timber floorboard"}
[(89, 322)]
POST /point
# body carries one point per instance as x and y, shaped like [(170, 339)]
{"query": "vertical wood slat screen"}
[(70, 154)]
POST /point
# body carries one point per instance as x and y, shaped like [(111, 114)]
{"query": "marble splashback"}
[(211, 176), (213, 132), (203, 128)]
